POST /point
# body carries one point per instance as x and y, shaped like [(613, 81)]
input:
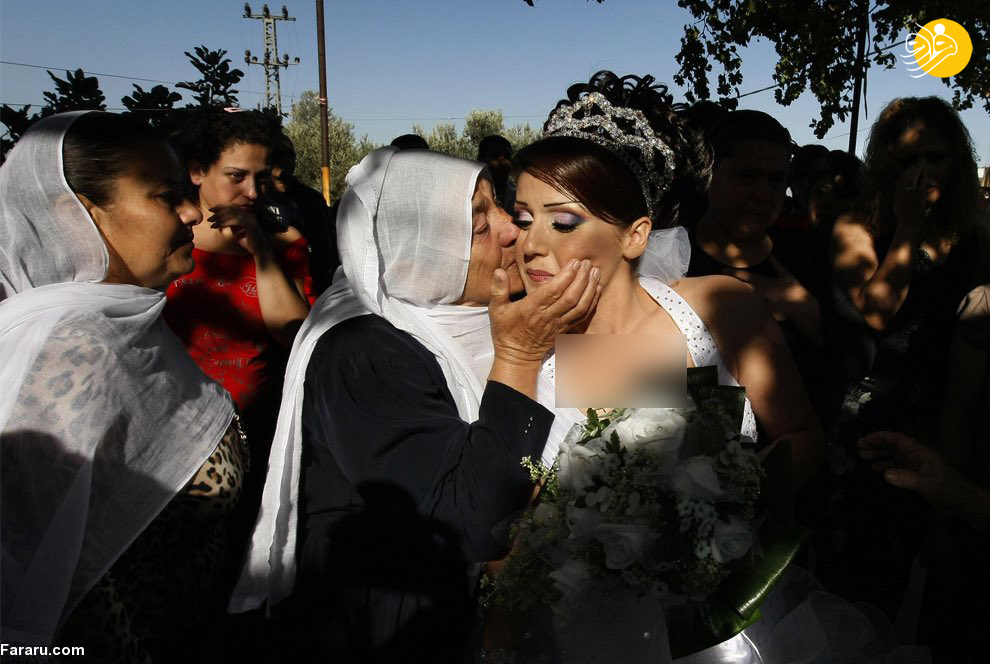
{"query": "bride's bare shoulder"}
[(705, 294)]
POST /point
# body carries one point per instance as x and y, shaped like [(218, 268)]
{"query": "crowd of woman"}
[(153, 477)]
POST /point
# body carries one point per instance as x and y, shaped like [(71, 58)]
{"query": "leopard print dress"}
[(162, 600)]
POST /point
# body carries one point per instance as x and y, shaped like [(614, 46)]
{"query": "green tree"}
[(215, 86), (816, 44), (444, 138), (77, 92), (17, 122), (478, 124), (304, 131), (154, 106), (521, 135)]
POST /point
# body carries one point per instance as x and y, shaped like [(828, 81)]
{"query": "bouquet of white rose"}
[(660, 500)]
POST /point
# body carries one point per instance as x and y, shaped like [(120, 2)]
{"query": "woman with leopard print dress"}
[(120, 459)]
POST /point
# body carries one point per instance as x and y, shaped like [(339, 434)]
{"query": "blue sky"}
[(392, 63)]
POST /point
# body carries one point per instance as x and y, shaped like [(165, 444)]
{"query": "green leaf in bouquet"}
[(612, 445), (711, 624), (706, 436), (701, 377), (726, 401)]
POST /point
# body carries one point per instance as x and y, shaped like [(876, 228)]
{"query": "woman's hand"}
[(911, 199), (283, 305), (908, 464), (241, 223), (526, 329), (523, 331)]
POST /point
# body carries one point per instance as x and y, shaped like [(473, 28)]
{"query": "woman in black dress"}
[(409, 404)]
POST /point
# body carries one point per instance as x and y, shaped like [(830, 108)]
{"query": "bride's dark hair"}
[(600, 179)]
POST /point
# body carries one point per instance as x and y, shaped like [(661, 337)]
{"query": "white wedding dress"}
[(800, 623), (701, 346)]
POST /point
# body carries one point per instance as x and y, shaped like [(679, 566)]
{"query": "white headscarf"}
[(104, 417), (404, 234)]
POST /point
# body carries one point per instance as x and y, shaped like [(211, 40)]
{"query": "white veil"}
[(103, 415)]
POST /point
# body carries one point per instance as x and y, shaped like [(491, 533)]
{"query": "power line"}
[(152, 80), (777, 85), (109, 108), (420, 119), (452, 117), (129, 78), (91, 73)]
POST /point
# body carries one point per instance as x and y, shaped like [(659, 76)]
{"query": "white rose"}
[(571, 579), (731, 540), (578, 464), (624, 543), (657, 430), (696, 479)]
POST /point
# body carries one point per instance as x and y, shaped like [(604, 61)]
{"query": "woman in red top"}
[(239, 309)]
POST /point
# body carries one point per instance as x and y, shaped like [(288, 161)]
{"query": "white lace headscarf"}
[(103, 415), (404, 234)]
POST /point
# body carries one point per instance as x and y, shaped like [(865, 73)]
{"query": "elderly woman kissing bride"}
[(409, 402)]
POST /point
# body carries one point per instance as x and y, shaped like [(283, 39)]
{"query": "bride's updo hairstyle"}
[(621, 149)]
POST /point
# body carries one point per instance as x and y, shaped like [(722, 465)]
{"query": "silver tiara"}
[(635, 144)]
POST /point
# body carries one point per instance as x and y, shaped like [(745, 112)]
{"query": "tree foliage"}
[(17, 122), (478, 124), (154, 106), (521, 135), (816, 44), (77, 92), (215, 86), (80, 92), (304, 132)]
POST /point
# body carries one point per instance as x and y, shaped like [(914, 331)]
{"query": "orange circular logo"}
[(940, 48)]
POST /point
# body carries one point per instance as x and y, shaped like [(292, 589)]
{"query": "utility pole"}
[(324, 132), (271, 62), (859, 81)]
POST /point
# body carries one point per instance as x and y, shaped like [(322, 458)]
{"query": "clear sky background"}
[(393, 63)]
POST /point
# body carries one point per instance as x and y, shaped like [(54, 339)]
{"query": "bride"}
[(614, 164)]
